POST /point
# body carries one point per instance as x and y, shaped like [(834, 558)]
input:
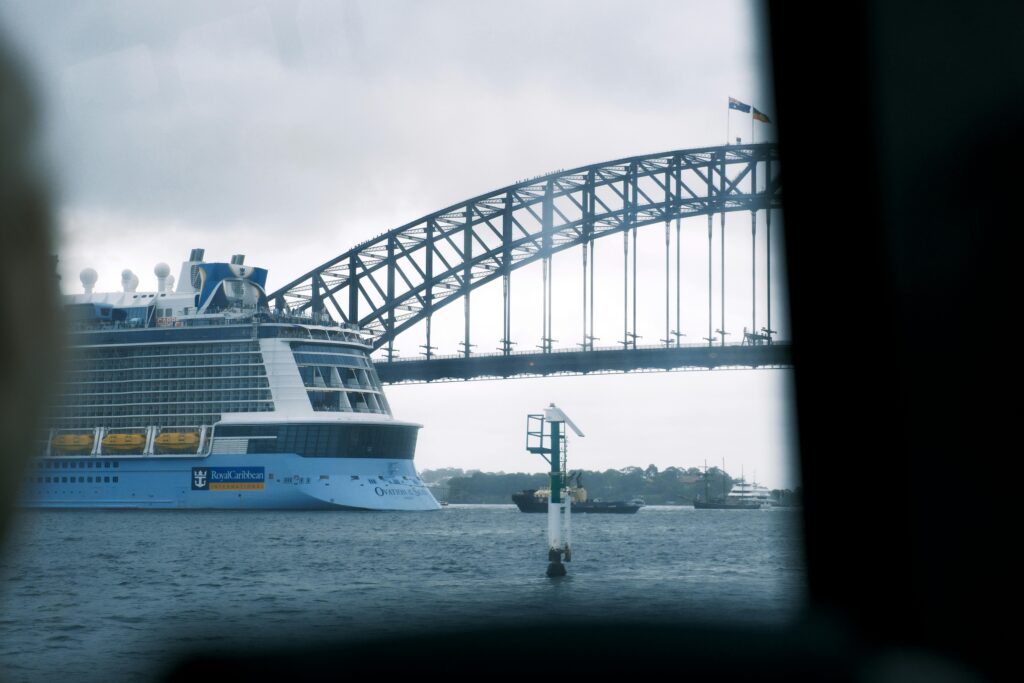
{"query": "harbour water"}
[(101, 595)]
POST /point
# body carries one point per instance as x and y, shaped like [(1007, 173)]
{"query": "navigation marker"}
[(559, 544)]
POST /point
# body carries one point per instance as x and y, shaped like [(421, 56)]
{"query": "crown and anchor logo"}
[(200, 475)]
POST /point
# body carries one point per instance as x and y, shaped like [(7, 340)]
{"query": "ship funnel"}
[(238, 259), (162, 272), (129, 280), (188, 278), (88, 276)]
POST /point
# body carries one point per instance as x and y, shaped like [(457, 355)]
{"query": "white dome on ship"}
[(129, 280), (162, 271), (88, 276)]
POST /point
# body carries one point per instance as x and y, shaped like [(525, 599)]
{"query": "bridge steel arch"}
[(390, 283)]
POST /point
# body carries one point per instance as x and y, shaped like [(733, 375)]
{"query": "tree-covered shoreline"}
[(671, 486)]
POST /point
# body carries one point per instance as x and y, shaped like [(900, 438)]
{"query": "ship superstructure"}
[(200, 396), (747, 494)]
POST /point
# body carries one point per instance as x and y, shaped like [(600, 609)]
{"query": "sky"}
[(291, 130)]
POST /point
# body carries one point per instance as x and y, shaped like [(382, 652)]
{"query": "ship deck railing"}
[(211, 318)]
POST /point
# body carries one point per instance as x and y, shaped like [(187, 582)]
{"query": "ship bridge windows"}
[(326, 400), (341, 359), (327, 440), (339, 379)]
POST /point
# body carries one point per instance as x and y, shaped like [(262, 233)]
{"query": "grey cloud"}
[(293, 113)]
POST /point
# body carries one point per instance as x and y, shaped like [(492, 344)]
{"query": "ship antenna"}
[(724, 492), (707, 496)]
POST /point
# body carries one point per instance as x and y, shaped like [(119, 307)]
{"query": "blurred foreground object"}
[(30, 335)]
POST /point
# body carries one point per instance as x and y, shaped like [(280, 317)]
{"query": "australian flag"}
[(738, 106)]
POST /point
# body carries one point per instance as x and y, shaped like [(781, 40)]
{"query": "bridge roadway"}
[(579, 362)]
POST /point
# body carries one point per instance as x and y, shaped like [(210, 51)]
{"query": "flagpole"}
[(728, 111), (751, 128)]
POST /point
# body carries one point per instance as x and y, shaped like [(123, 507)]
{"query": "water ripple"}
[(140, 587)]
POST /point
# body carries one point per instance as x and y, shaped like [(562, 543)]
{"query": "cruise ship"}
[(198, 396)]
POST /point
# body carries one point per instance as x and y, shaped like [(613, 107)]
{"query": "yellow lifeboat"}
[(75, 444), (177, 442), (124, 442)]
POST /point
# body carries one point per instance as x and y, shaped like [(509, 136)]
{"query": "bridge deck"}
[(578, 362)]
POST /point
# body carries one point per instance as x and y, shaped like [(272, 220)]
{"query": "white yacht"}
[(746, 495)]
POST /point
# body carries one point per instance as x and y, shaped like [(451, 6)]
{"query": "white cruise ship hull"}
[(268, 481)]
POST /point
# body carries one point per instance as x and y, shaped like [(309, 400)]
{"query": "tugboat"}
[(536, 500)]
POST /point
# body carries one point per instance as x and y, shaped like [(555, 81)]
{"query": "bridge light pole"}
[(768, 251), (590, 338), (506, 276), (586, 247), (428, 298), (722, 214), (631, 196), (753, 246), (634, 333), (710, 338), (547, 223), (593, 294), (390, 323), (588, 256), (677, 202), (546, 334), (467, 274), (625, 289), (668, 274)]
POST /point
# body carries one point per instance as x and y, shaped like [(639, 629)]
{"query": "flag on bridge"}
[(761, 116), (738, 106)]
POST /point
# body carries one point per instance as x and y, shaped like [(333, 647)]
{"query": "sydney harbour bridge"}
[(395, 283)]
